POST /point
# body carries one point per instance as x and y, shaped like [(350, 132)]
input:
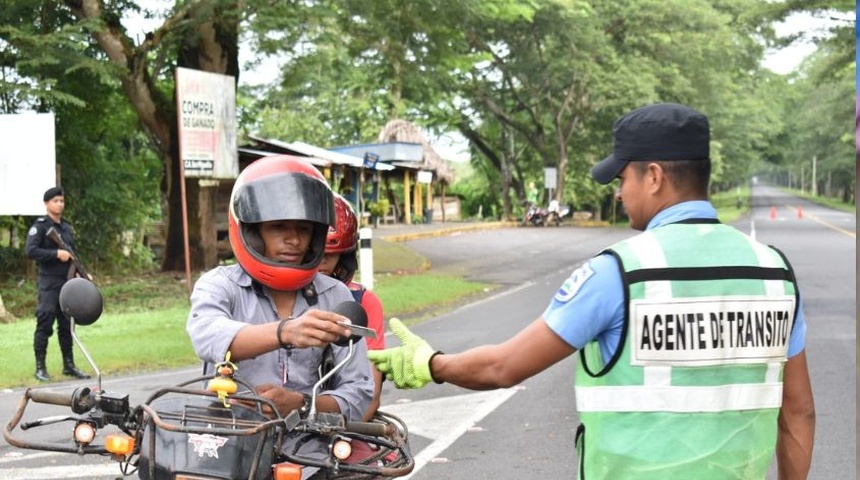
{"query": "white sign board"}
[(550, 177), (27, 162), (206, 110), (424, 176)]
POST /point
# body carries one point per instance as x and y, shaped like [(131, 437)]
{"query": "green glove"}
[(408, 365)]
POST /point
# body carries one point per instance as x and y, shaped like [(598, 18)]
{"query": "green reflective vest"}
[(694, 390)]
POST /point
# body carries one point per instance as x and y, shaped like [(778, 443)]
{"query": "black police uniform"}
[(52, 276)]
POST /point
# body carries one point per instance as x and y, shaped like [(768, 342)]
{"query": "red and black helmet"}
[(280, 187), (343, 239)]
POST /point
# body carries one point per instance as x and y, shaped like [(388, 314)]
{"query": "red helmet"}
[(280, 187), (343, 239)]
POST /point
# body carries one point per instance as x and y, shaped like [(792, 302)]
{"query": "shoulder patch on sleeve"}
[(32, 231), (573, 283)]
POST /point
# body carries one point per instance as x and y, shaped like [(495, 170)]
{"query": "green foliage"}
[(379, 208), (476, 191), (104, 161)]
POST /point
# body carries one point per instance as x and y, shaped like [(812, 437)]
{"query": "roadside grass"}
[(726, 204), (119, 343), (414, 297), (826, 201), (142, 328)]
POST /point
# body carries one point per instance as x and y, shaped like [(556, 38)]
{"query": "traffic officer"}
[(691, 334), (53, 264)]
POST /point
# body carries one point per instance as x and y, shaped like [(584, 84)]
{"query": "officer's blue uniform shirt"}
[(590, 303)]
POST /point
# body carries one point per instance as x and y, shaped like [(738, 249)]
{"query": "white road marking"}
[(446, 419), (65, 472)]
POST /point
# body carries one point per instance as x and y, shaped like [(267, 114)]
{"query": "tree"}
[(48, 65), (201, 35), (560, 77)]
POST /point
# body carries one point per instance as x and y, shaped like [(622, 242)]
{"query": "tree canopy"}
[(529, 84)]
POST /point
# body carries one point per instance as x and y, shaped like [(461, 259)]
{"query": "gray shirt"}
[(226, 299)]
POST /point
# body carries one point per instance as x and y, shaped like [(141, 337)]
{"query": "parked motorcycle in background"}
[(534, 215), (556, 213)]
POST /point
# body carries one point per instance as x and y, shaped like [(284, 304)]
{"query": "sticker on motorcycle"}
[(206, 444)]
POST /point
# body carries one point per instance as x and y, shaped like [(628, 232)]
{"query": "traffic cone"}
[(773, 213), (799, 212)]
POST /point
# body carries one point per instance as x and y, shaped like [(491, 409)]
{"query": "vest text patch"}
[(710, 330)]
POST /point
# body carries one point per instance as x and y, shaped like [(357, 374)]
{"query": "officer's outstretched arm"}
[(415, 363)]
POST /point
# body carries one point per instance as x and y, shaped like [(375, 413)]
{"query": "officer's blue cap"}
[(662, 131)]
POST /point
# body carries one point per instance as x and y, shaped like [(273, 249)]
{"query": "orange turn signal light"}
[(119, 444), (286, 471)]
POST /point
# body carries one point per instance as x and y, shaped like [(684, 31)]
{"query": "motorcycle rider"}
[(693, 392), (271, 311)]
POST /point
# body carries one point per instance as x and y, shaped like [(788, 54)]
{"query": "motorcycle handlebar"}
[(63, 399), (375, 429), (79, 400)]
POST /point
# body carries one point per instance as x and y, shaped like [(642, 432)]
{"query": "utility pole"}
[(814, 176)]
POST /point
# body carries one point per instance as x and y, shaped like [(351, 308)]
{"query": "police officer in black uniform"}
[(54, 264)]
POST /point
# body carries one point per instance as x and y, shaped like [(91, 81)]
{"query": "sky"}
[(786, 60)]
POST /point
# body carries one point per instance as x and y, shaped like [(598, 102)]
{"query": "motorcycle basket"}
[(192, 433)]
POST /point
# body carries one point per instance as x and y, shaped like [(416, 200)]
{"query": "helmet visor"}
[(290, 196)]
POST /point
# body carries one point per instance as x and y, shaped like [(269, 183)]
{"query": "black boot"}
[(41, 371), (71, 370)]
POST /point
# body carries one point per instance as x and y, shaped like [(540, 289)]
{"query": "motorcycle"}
[(555, 213), (211, 427), (534, 215)]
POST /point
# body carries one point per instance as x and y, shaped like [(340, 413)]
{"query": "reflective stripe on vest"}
[(655, 398)]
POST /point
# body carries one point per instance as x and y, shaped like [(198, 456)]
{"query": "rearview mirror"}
[(81, 301)]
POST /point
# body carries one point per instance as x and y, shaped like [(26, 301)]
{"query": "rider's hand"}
[(314, 328), (285, 400), (407, 365)]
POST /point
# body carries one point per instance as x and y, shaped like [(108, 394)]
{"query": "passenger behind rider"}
[(341, 262), (271, 311)]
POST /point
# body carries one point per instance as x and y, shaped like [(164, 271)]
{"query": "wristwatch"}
[(306, 405)]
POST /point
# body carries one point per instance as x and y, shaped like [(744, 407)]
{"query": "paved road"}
[(527, 431)]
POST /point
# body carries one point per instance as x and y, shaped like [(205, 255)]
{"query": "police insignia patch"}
[(32, 231), (573, 283)]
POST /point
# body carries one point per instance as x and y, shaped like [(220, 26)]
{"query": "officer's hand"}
[(407, 365), (63, 255)]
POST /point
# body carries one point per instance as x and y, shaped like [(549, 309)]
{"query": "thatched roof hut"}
[(404, 131)]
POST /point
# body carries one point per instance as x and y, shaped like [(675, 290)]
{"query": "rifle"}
[(77, 266)]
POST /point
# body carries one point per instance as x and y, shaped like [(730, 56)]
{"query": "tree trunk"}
[(211, 45)]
